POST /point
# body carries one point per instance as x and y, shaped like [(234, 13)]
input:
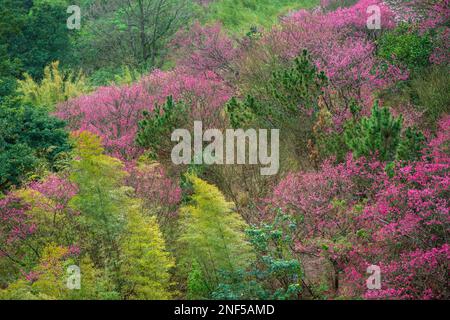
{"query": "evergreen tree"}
[(28, 137), (295, 87), (410, 147), (299, 85), (381, 134), (156, 127), (44, 37), (378, 134), (35, 34)]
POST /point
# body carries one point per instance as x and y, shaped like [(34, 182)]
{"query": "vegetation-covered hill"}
[(90, 186)]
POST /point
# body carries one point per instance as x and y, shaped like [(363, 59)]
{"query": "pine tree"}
[(410, 148), (278, 104), (378, 134), (381, 134), (300, 85), (156, 127)]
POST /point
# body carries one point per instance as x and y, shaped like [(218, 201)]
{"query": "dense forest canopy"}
[(93, 206)]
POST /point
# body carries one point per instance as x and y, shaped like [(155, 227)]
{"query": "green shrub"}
[(405, 46), (430, 91), (277, 273)]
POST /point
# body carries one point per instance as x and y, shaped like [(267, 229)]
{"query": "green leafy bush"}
[(405, 46), (276, 274)]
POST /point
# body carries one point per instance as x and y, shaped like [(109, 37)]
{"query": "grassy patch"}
[(239, 16)]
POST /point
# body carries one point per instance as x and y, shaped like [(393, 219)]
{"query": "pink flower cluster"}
[(437, 13), (341, 45), (356, 15), (113, 112), (15, 224), (366, 217), (152, 184), (205, 48), (56, 188)]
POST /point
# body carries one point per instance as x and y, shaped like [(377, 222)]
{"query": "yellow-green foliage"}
[(51, 277), (54, 88), (100, 198), (212, 234), (145, 262), (44, 213), (50, 281), (126, 77), (52, 222), (132, 244), (126, 246)]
